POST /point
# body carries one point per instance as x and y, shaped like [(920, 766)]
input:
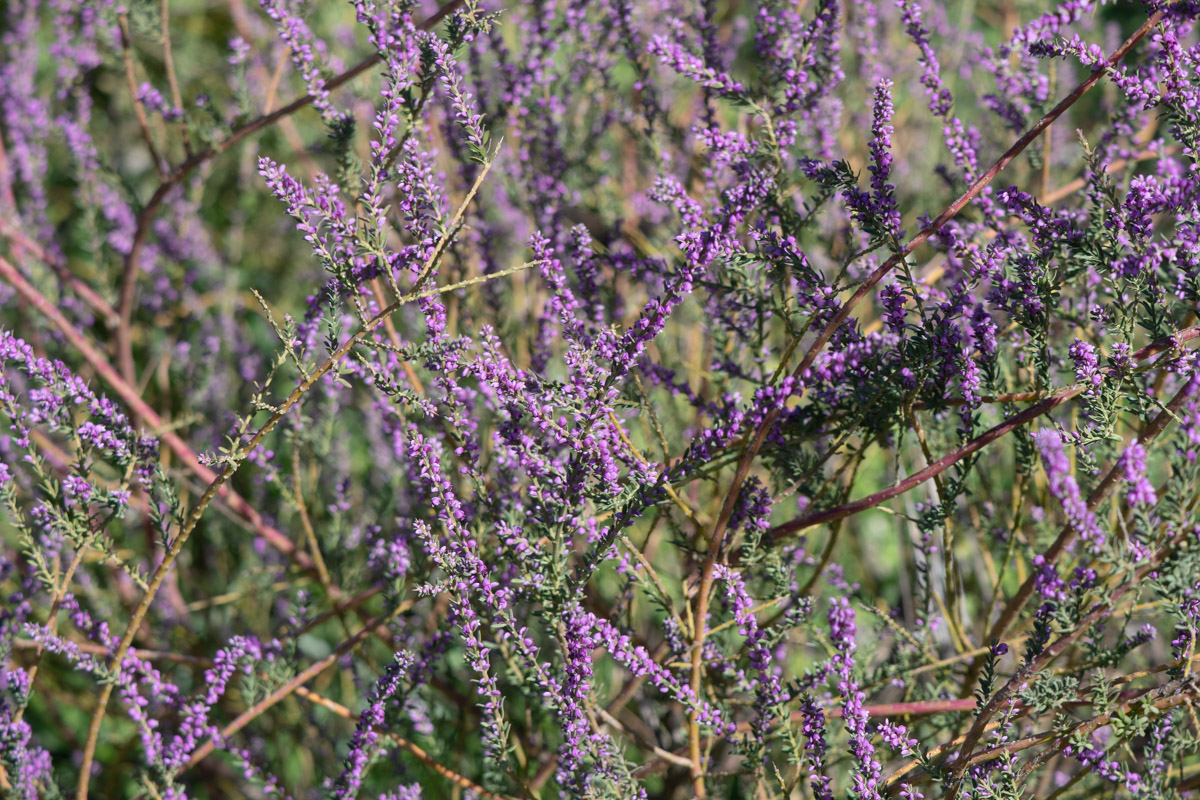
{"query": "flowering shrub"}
[(599, 400)]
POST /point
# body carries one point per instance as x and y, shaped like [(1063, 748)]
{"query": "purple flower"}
[(1064, 488), (1133, 467)]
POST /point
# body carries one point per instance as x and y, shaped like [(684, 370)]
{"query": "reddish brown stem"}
[(936, 468)]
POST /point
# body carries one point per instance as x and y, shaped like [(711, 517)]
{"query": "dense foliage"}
[(534, 399)]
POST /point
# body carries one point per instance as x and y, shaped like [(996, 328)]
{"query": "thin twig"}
[(172, 79), (139, 110)]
